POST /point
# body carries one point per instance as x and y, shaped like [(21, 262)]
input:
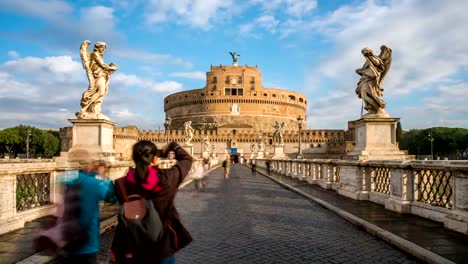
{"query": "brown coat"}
[(175, 235)]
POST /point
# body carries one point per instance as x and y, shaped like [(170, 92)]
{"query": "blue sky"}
[(165, 46)]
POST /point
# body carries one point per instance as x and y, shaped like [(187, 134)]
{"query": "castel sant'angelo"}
[(233, 111)]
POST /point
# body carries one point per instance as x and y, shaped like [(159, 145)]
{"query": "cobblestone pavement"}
[(251, 219)]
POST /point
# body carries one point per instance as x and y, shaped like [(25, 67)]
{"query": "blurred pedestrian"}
[(227, 167), (158, 187), (81, 200), (254, 167)]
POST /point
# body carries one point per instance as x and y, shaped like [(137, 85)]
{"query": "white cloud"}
[(446, 107), (11, 88), (49, 9), (168, 87), (140, 55), (13, 54), (130, 80), (266, 22), (190, 75), (100, 20), (295, 8), (48, 91), (54, 65), (300, 7), (428, 49), (196, 13)]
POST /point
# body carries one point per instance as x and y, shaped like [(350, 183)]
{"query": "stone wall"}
[(316, 143)]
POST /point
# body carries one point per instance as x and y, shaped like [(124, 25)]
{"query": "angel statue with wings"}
[(369, 87), (234, 58), (278, 134), (98, 74)]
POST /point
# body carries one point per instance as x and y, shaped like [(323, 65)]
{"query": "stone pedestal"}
[(278, 152), (260, 155), (189, 149), (376, 140), (92, 136)]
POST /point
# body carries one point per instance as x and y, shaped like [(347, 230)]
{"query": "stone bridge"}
[(292, 214)]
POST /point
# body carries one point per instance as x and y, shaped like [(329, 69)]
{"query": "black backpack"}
[(138, 219)]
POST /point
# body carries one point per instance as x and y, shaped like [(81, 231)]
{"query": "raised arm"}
[(177, 174)]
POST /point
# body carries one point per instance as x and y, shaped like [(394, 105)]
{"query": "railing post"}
[(457, 219), (354, 176), (401, 189), (301, 174), (327, 172)]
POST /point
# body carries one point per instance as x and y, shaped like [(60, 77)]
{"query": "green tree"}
[(448, 142), (9, 137), (41, 142), (50, 144)]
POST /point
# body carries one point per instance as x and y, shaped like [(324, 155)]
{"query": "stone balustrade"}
[(437, 190), (29, 190)]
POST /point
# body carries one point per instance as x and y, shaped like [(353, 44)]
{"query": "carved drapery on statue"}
[(98, 74), (369, 87), (260, 142), (188, 131), (206, 144)]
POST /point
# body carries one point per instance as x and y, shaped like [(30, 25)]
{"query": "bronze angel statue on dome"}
[(373, 72), (98, 74)]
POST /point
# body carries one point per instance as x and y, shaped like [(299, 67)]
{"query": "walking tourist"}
[(226, 166), (254, 168), (157, 188), (79, 219)]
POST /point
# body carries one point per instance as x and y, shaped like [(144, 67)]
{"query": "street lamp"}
[(167, 124), (299, 123), (27, 143), (431, 139)]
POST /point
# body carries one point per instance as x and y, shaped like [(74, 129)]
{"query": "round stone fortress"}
[(234, 98)]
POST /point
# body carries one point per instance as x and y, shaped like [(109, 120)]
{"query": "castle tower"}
[(234, 98)]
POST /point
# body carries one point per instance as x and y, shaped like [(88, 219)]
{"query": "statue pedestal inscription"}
[(376, 140), (278, 152)]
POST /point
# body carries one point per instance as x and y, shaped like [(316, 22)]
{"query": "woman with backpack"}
[(150, 237)]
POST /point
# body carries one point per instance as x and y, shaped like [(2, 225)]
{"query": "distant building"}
[(231, 110)]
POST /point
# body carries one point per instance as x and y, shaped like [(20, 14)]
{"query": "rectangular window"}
[(240, 92), (227, 91), (234, 92), (239, 81)]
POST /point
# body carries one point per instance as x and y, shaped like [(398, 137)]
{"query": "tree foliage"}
[(448, 142), (8, 139), (41, 142)]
